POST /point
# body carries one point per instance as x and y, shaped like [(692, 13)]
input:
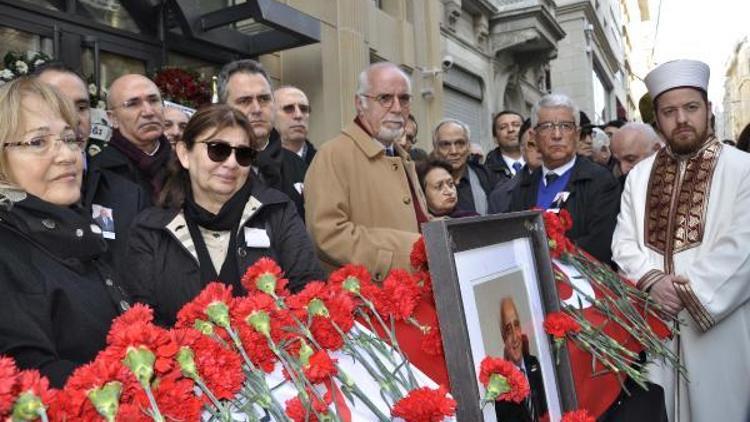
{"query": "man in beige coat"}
[(362, 199)]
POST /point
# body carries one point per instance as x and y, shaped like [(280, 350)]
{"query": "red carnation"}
[(578, 416), (425, 405), (8, 379), (559, 324), (401, 294), (30, 381), (219, 367), (320, 367), (135, 336), (503, 380), (566, 220), (209, 300), (265, 276), (297, 412), (324, 307), (424, 281), (175, 398), (254, 317), (74, 402), (418, 256), (339, 277), (138, 313)]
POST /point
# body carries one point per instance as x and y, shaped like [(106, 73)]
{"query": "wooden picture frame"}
[(476, 264)]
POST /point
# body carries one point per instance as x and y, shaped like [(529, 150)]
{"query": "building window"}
[(21, 42), (601, 100)]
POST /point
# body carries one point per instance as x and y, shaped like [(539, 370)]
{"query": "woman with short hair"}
[(440, 189), (214, 220), (57, 296)]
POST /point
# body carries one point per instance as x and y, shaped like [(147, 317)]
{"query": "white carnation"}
[(6, 74), (92, 89), (39, 62), (21, 67)]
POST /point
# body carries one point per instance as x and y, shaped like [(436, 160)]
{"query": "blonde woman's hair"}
[(12, 95)]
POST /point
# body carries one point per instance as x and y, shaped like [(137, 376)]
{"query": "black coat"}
[(282, 170), (517, 412), (310, 153), (113, 182), (497, 166), (499, 198), (463, 188), (594, 203), (164, 271), (55, 312)]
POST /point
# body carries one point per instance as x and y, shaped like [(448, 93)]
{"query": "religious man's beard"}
[(389, 135), (687, 142)]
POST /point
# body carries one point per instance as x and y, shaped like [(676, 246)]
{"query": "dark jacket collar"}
[(582, 170)]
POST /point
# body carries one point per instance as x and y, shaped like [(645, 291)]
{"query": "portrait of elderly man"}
[(451, 141), (535, 405), (363, 201), (679, 236), (587, 190)]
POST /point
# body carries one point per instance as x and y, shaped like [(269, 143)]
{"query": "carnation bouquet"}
[(270, 354), (20, 64), (183, 87)]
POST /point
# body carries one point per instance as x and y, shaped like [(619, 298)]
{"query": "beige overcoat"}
[(358, 205)]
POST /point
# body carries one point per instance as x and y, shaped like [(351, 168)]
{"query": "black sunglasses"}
[(219, 151)]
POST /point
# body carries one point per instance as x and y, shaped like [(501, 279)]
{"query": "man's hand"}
[(664, 293)]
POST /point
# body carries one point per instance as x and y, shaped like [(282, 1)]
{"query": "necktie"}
[(551, 177), (516, 166)]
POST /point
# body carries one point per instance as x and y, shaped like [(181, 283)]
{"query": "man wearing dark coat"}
[(505, 160), (127, 176), (535, 405), (292, 121), (588, 191), (473, 181), (245, 85)]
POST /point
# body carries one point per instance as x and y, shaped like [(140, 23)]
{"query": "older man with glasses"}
[(128, 175), (363, 201), (588, 191)]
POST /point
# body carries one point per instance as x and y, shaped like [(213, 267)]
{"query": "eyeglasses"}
[(549, 127), (154, 101), (41, 145), (386, 100), (291, 108), (219, 151)]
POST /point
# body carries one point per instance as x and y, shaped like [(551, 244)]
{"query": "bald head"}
[(291, 116), (633, 143), (510, 327), (136, 110)]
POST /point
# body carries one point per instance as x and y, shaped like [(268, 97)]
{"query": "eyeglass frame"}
[(566, 127), (385, 102), (77, 146), (233, 150), (139, 101), (303, 108)]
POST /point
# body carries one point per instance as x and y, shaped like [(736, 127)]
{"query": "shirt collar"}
[(559, 170), (509, 162)]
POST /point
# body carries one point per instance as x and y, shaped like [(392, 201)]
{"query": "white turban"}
[(677, 74)]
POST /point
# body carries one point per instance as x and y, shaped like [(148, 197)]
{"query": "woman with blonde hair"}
[(58, 296)]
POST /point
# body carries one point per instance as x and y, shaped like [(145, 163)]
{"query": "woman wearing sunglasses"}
[(214, 220), (57, 296)]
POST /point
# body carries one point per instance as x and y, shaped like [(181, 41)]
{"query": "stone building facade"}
[(737, 90)]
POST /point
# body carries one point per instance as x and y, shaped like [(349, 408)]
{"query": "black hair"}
[(424, 167)]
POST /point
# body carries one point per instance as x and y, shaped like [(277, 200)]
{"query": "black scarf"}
[(68, 233), (228, 219), (153, 167)]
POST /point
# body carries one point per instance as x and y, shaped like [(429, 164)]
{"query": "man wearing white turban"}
[(680, 236)]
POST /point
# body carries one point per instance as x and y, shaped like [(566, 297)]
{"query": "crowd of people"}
[(176, 201)]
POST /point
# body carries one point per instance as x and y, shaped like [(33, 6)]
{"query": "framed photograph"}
[(493, 284)]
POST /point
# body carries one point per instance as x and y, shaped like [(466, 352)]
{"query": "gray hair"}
[(646, 131), (363, 80), (462, 125), (554, 101), (242, 66), (599, 139)]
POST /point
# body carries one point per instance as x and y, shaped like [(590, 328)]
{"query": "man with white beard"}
[(363, 202)]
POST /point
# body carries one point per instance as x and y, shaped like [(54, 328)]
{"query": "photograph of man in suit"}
[(535, 405), (104, 220)]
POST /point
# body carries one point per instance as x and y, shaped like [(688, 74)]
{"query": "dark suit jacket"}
[(282, 169), (463, 189), (497, 166), (509, 411), (594, 203)]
